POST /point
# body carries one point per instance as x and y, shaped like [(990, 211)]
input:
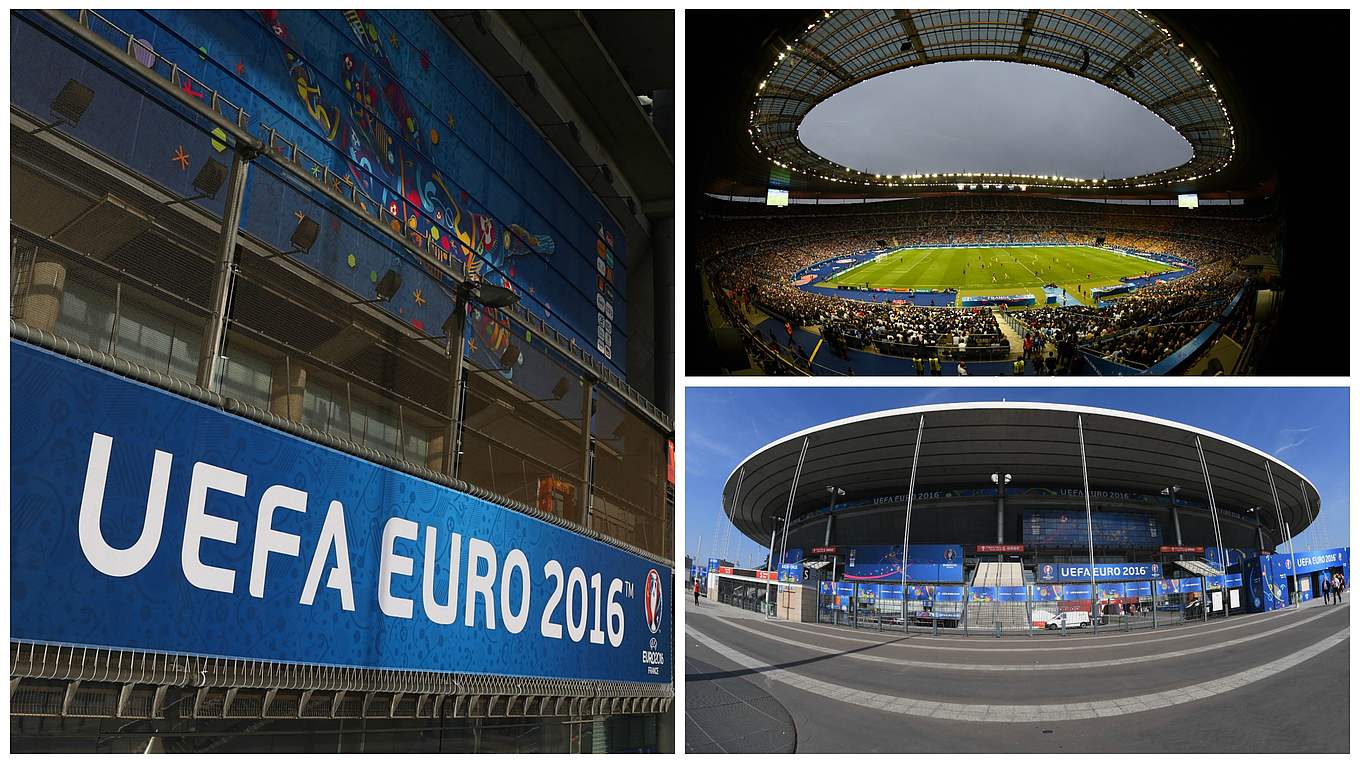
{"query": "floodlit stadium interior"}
[(794, 257)]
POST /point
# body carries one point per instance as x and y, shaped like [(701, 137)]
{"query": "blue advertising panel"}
[(1049, 592), (1055, 573), (931, 563), (791, 572), (794, 555), (390, 104), (982, 593), (949, 594), (1077, 591), (1011, 594), (1138, 589), (1061, 528), (1111, 590), (166, 525)]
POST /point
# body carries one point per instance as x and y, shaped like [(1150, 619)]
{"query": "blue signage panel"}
[(931, 563), (158, 523), (791, 572), (1055, 573)]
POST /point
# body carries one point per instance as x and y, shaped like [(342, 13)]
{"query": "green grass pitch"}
[(1007, 271)]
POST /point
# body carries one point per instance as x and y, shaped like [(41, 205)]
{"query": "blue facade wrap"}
[(143, 520)]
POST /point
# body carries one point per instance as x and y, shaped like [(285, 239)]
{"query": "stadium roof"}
[(1126, 50), (1037, 443), (1201, 72)]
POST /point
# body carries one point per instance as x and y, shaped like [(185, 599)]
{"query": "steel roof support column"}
[(1308, 510), (1090, 534), (224, 281), (727, 529), (788, 511), (1279, 516), (906, 530), (1294, 565), (1218, 535)]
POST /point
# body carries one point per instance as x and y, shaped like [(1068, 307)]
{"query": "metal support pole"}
[(1218, 535), (587, 451), (1279, 516), (769, 563), (906, 529), (1294, 564), (224, 279), (1153, 585), (727, 529), (1308, 510), (457, 343), (1175, 515), (826, 539), (1000, 512), (788, 511), (1090, 534)]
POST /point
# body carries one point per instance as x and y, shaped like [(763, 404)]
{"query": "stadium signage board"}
[(1181, 550), (999, 548), (1060, 573), (825, 550), (175, 527)]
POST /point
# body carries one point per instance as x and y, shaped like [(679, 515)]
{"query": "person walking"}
[(1326, 589), (696, 591), (1338, 586)]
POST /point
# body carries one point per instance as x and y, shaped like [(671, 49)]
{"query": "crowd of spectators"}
[(751, 261)]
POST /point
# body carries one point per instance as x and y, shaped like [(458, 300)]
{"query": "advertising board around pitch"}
[(146, 521)]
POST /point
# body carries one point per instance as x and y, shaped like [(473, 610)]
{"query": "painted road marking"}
[(1031, 666), (922, 708), (1082, 641)]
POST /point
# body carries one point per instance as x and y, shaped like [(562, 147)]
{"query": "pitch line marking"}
[(922, 708), (1072, 646), (1025, 667)]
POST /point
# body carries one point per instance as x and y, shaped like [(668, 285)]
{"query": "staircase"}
[(1013, 336)]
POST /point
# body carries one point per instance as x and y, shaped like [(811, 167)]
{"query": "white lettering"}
[(391, 563), (120, 563), (332, 534), (480, 585), (446, 613), (199, 525), (514, 621), (268, 540)]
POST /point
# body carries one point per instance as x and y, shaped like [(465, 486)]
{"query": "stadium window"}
[(323, 409), (86, 315), (248, 376)]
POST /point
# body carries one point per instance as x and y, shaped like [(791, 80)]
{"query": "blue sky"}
[(1306, 427)]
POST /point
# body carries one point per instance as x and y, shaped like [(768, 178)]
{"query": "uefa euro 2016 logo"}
[(1046, 573), (651, 600)]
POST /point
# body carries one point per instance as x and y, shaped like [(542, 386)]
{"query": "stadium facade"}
[(340, 369), (1001, 497)]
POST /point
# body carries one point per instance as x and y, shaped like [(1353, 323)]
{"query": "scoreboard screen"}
[(1188, 200), (1062, 528), (776, 197)]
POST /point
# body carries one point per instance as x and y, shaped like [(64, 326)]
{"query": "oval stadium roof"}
[(1037, 443), (1126, 50)]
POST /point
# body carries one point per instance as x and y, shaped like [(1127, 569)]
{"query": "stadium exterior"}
[(1007, 485), (340, 386)]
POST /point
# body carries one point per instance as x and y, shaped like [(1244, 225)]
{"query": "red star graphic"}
[(241, 68), (188, 88), (182, 158)]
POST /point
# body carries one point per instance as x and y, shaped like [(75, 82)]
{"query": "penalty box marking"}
[(923, 708)]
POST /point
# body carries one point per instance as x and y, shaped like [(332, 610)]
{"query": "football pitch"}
[(999, 270)]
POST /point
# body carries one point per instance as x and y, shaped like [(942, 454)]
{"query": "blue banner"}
[(1052, 573), (791, 572), (162, 524), (930, 563)]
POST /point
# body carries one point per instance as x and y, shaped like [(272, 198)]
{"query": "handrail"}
[(82, 353)]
